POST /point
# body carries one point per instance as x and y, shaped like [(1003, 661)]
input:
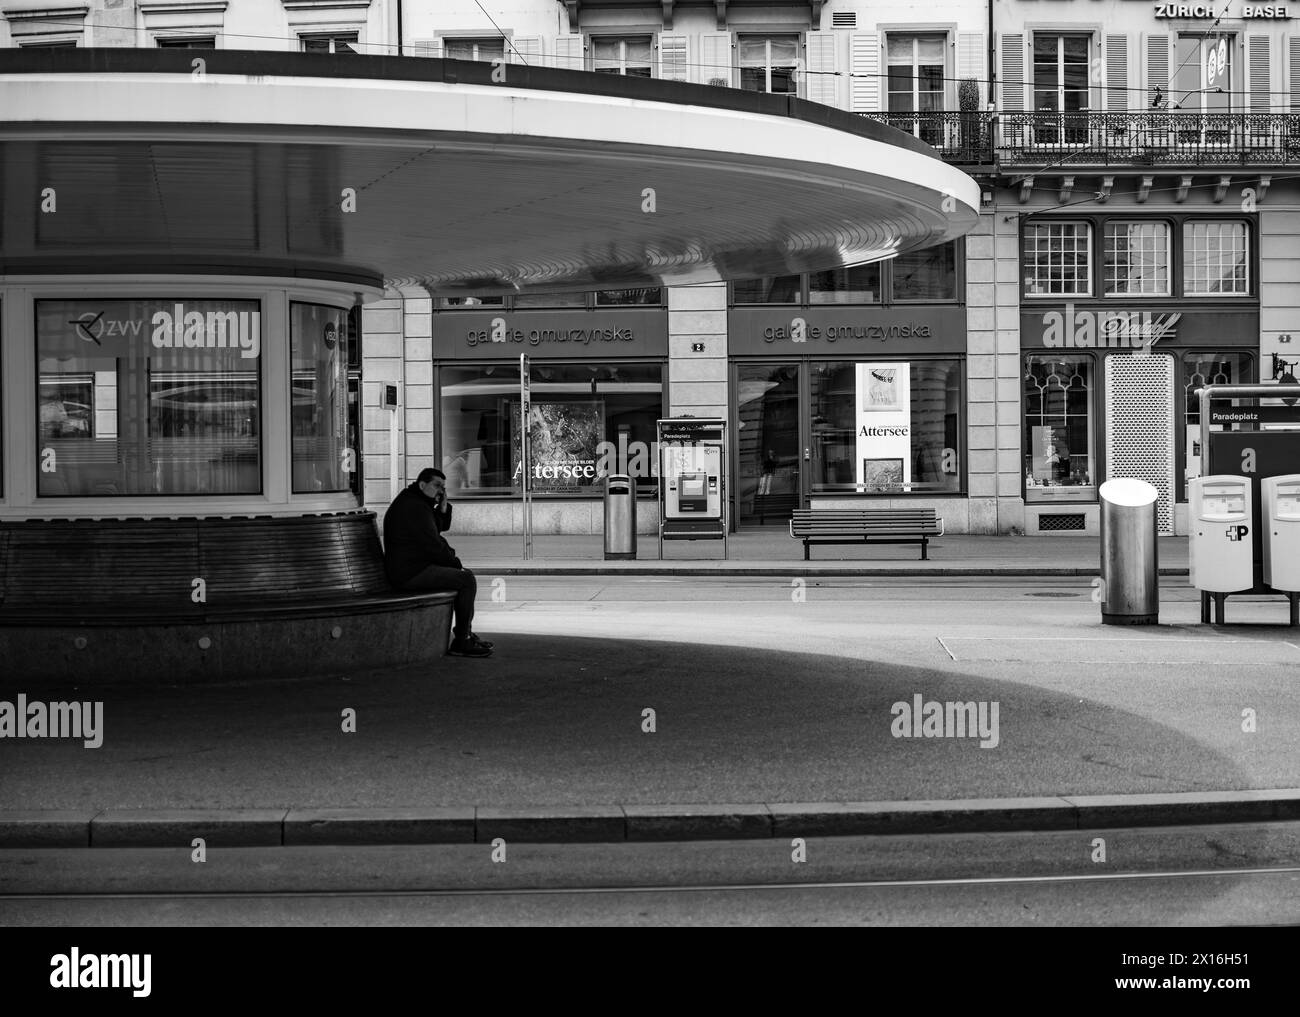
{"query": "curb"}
[(793, 570), (177, 828)]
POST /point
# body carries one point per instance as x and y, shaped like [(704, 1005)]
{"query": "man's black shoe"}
[(469, 647)]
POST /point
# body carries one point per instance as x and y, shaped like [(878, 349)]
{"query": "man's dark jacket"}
[(413, 539)]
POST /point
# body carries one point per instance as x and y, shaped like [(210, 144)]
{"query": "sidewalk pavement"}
[(782, 728), (771, 551)]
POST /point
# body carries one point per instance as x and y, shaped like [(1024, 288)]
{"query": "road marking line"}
[(707, 888)]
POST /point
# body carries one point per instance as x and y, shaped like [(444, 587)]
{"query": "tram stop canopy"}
[(454, 176)]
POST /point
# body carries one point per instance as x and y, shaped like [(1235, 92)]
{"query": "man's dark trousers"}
[(462, 581)]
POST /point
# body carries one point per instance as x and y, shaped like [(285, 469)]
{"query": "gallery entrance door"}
[(769, 444)]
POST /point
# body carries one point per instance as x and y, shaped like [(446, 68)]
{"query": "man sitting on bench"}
[(417, 557)]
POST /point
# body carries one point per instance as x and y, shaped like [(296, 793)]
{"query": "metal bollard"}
[(620, 517), (1129, 556)]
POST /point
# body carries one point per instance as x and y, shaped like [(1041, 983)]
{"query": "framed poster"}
[(563, 440), (884, 428)]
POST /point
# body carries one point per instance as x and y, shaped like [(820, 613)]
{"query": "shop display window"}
[(144, 397), (887, 427), (585, 420), (1059, 451)]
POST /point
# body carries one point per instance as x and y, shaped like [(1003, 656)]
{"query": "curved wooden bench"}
[(209, 598), (867, 526)]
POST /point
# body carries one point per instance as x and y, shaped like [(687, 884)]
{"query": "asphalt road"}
[(763, 691), (1205, 875)]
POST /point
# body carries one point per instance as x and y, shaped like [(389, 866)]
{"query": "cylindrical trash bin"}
[(620, 516), (1130, 572)]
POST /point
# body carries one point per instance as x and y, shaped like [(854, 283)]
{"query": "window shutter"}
[(1158, 66), (1295, 74), (715, 59), (674, 63), (1012, 78), (971, 54), (864, 86), (823, 84), (1117, 100), (1257, 56), (568, 53), (425, 48), (527, 49)]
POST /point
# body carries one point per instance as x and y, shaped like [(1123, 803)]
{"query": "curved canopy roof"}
[(432, 173)]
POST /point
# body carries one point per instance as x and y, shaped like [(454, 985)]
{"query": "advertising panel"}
[(563, 440), (884, 432)]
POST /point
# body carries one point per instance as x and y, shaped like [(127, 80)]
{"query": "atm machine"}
[(692, 484)]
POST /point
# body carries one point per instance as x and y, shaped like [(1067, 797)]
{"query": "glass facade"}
[(145, 397), (318, 340), (585, 420)]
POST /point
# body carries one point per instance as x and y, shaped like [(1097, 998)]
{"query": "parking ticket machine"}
[(1222, 547), (694, 475), (1281, 523)]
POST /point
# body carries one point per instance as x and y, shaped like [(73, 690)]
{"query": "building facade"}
[(1139, 236)]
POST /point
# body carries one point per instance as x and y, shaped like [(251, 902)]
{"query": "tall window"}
[(768, 63), (1135, 259), (1203, 80), (336, 42), (915, 69), (140, 397), (1201, 368), (1058, 259), (474, 49), (1215, 259), (1058, 440), (318, 338), (1060, 88), (632, 56)]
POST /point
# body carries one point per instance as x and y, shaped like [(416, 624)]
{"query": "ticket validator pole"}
[(692, 480)]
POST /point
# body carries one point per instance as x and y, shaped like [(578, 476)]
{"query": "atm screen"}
[(692, 485)]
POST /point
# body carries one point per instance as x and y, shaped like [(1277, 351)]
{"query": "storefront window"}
[(859, 285), (318, 342), (887, 427), (585, 420), (1201, 368), (928, 274), (779, 289), (1058, 442), (140, 397)]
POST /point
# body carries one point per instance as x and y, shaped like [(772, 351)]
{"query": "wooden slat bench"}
[(866, 526), (280, 596)]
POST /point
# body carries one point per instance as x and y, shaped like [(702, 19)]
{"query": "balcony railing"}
[(1087, 138)]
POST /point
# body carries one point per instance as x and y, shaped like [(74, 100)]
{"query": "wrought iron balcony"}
[(1088, 138)]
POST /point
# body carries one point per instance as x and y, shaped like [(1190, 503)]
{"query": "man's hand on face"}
[(436, 491)]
